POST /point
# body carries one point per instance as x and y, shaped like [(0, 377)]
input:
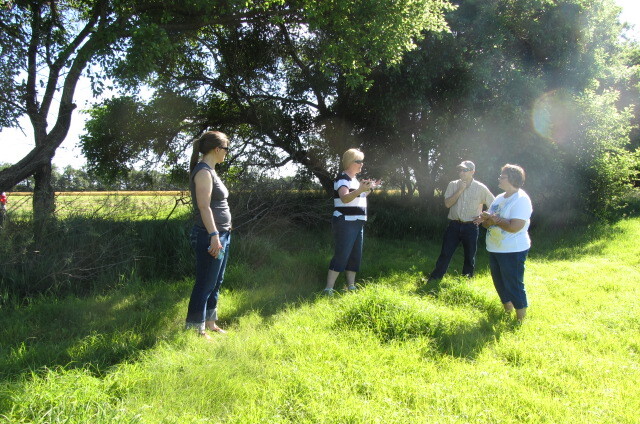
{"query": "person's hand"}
[(478, 220), (214, 246), (365, 185), (376, 183), (462, 186), (484, 218)]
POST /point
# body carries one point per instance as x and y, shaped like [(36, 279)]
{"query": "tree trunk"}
[(43, 201), (426, 190), (425, 185), (325, 180)]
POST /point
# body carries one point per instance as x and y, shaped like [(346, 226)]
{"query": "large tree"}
[(272, 83), (531, 82), (47, 46), (513, 81)]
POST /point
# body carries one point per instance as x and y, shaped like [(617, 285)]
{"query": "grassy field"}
[(123, 205), (397, 351)]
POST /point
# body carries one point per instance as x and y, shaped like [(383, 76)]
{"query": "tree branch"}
[(55, 68), (322, 107)]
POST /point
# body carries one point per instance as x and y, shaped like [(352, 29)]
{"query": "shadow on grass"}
[(93, 333), (99, 331), (460, 323)]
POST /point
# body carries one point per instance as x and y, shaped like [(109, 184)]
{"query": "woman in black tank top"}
[(210, 236)]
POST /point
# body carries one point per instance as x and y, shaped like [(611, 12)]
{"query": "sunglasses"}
[(359, 161), (225, 148), (502, 177)]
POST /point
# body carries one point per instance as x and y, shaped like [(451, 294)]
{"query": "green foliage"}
[(82, 256), (356, 35), (531, 82), (11, 59), (267, 78), (99, 240), (610, 167), (121, 130), (393, 216)]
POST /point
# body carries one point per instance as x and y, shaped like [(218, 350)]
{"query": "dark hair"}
[(515, 175), (207, 142)]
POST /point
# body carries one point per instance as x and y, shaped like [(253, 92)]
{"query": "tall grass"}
[(397, 351), (99, 240), (82, 256)]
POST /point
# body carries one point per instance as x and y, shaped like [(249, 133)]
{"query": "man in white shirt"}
[(465, 199)]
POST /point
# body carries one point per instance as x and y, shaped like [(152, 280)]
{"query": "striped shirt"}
[(355, 209)]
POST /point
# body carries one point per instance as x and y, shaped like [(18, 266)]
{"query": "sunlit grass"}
[(397, 351), (121, 205)]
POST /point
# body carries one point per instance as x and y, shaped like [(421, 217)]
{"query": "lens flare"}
[(552, 116)]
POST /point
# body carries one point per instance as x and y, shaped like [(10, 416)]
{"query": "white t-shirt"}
[(516, 206)]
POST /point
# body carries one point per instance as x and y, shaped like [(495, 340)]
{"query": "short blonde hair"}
[(351, 156)]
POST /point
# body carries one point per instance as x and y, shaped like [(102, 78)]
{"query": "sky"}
[(14, 144)]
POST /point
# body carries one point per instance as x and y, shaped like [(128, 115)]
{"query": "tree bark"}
[(43, 201)]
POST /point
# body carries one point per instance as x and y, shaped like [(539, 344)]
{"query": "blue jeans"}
[(348, 239), (457, 232), (507, 271), (203, 305)]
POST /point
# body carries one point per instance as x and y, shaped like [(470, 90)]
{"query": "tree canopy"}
[(417, 84), (533, 82), (47, 46), (270, 83)]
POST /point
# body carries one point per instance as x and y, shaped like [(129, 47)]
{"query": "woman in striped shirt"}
[(349, 216)]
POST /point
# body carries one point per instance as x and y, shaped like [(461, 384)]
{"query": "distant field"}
[(103, 193), (107, 204)]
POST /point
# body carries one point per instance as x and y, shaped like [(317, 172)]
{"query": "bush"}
[(81, 255), (393, 216), (86, 252)]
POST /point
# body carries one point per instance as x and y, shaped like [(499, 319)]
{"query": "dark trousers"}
[(507, 271), (203, 305), (458, 232)]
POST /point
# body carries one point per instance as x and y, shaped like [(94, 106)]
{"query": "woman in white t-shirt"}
[(508, 242)]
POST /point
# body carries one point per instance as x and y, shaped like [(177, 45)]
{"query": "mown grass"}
[(397, 351)]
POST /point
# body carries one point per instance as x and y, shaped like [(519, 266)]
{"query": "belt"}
[(461, 221)]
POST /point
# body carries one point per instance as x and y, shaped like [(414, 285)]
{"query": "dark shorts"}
[(348, 240)]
